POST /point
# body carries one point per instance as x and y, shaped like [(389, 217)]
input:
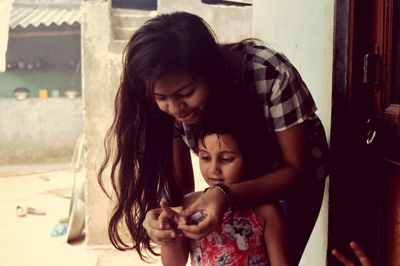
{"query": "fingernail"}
[(172, 234)]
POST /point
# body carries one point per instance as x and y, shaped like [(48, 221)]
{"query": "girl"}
[(245, 235), (174, 70)]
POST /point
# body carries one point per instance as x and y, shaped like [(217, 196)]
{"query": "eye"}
[(159, 97), (205, 158), (187, 91), (227, 160)]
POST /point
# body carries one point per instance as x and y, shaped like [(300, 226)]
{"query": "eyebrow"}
[(227, 152), (178, 90), (223, 151)]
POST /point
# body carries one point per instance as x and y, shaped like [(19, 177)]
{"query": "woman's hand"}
[(362, 257), (170, 216), (159, 231), (212, 204)]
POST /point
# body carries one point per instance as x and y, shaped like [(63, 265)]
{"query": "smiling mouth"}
[(187, 117)]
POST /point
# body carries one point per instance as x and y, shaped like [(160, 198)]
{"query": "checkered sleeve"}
[(286, 99), (287, 102), (291, 101), (187, 133)]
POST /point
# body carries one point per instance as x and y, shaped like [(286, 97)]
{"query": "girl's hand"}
[(170, 215), (212, 204), (362, 257), (159, 230)]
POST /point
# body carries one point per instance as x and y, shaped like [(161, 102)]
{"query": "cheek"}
[(201, 97), (237, 172), (162, 106), (203, 169)]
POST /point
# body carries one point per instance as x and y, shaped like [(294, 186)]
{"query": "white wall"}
[(99, 82), (40, 131), (5, 9), (303, 31), (230, 23)]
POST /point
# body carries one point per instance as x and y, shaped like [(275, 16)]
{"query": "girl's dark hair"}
[(139, 143), (242, 118)]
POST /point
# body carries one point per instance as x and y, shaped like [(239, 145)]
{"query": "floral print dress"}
[(238, 241)]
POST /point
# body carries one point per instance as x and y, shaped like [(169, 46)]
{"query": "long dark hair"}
[(139, 143)]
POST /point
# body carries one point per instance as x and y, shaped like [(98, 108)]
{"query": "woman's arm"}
[(292, 142), (175, 253), (163, 233), (260, 190)]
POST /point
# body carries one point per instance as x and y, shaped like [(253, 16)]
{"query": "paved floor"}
[(27, 240)]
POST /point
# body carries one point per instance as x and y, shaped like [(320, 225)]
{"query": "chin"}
[(192, 122), (213, 183), (195, 120)]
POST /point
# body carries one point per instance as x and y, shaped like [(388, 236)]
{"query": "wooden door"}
[(386, 43), (365, 139)]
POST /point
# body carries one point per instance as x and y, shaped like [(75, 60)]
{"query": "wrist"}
[(228, 195)]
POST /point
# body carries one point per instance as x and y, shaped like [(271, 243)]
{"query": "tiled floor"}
[(27, 240)]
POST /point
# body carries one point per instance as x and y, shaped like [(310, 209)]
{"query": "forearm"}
[(271, 186), (275, 184), (175, 253)]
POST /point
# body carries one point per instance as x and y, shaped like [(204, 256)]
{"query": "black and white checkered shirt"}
[(287, 102)]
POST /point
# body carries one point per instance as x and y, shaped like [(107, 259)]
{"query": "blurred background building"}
[(40, 89)]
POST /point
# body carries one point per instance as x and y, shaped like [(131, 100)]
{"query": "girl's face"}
[(220, 160), (182, 97)]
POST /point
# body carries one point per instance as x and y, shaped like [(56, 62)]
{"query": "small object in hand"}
[(195, 218)]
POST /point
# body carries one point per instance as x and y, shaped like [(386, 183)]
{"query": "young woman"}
[(174, 70), (229, 155)]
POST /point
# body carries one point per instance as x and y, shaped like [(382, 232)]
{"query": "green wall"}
[(50, 79), (60, 59)]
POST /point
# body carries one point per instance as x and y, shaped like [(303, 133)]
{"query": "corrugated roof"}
[(36, 15)]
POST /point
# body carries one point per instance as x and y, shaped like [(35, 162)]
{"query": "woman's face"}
[(220, 160), (181, 96)]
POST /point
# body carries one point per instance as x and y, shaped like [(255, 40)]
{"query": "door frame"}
[(360, 208), (351, 181)]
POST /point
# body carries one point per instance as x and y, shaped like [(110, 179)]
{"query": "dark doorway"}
[(365, 138)]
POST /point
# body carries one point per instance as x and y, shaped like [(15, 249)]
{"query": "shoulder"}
[(258, 52), (270, 67), (263, 211)]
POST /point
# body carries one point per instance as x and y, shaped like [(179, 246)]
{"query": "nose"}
[(215, 168), (175, 106)]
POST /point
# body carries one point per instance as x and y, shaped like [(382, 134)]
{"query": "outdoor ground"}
[(27, 241)]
